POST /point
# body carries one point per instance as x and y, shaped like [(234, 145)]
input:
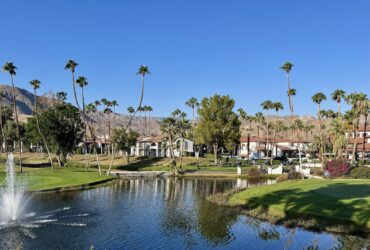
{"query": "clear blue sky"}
[(193, 48)]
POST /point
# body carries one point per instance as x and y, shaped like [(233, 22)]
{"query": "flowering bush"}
[(338, 168)]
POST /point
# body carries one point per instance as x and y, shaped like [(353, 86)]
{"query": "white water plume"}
[(12, 196)]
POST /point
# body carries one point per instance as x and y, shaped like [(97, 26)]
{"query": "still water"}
[(155, 214)]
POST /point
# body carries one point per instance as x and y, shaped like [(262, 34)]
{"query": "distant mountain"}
[(25, 102)]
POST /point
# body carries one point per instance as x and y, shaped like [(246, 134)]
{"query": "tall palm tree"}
[(364, 108), (91, 110), (105, 103), (337, 96), (11, 69), (82, 82), (114, 105), (131, 111), (287, 67), (267, 105), (143, 71), (192, 103), (356, 100), (318, 98), (97, 104), (277, 106), (36, 85), (338, 131), (71, 65), (259, 119), (4, 142), (149, 109)]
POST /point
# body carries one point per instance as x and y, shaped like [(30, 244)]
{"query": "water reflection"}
[(161, 213)]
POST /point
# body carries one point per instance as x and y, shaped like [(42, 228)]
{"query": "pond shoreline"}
[(313, 223), (79, 187)]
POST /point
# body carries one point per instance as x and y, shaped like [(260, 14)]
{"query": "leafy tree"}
[(218, 125), (11, 69), (62, 141), (124, 141)]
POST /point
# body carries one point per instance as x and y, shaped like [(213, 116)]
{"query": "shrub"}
[(254, 173), (360, 173), (283, 177), (293, 175), (317, 172), (276, 162), (260, 162), (338, 168)]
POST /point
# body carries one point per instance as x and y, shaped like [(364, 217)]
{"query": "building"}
[(157, 146), (252, 147)]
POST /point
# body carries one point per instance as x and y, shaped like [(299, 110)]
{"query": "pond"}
[(155, 214)]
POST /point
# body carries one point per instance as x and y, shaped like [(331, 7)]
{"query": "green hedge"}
[(360, 173)]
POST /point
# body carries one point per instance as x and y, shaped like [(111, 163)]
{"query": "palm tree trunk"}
[(320, 134), (74, 89), (289, 96), (2, 130), (364, 139), (17, 125), (41, 134), (84, 124)]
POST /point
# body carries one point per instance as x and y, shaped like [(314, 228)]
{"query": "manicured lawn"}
[(45, 178), (344, 200)]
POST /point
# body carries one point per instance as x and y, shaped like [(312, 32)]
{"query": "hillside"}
[(25, 101)]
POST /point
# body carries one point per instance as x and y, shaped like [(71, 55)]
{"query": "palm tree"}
[(114, 105), (105, 102), (149, 109), (192, 103), (145, 109), (143, 71), (71, 65), (91, 109), (364, 109), (338, 131), (267, 105), (4, 142), (356, 100), (318, 98), (97, 103), (131, 111), (277, 106), (259, 119), (36, 85), (337, 96), (287, 67), (11, 69), (82, 82)]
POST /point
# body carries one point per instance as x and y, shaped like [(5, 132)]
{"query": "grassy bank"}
[(39, 179), (333, 205)]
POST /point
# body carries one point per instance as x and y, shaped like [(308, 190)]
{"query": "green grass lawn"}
[(44, 178), (344, 200)]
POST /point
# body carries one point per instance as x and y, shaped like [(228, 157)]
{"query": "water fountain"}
[(12, 196), (15, 220)]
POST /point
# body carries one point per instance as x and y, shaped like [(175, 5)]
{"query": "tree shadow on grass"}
[(339, 206), (141, 163)]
